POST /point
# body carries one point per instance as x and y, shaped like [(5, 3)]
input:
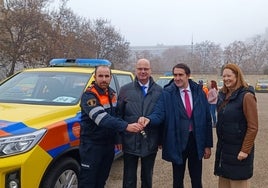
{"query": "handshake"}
[(138, 126)]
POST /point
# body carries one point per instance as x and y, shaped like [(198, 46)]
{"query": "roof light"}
[(79, 62)]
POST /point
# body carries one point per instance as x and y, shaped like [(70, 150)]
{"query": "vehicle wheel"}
[(63, 174)]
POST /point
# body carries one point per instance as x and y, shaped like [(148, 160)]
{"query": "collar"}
[(188, 89), (147, 84), (101, 91)]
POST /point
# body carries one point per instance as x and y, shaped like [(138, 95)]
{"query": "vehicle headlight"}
[(12, 145)]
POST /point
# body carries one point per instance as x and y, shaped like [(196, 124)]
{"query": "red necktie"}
[(188, 106), (187, 103)]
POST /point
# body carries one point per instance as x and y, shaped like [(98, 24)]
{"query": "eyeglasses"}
[(143, 69)]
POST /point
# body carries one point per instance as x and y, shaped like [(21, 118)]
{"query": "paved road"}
[(163, 172)]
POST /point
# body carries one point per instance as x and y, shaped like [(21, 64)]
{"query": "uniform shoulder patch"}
[(92, 102)]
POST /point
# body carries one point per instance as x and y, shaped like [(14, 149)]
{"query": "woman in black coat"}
[(236, 128)]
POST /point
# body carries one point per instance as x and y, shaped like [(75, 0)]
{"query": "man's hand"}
[(134, 127), (143, 121), (207, 153)]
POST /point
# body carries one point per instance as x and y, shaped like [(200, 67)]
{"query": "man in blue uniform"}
[(98, 130)]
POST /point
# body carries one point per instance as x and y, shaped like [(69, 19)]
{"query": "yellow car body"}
[(164, 80), (261, 86), (39, 137)]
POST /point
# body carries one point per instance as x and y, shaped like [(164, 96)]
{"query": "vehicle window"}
[(112, 83), (118, 80), (44, 88), (163, 81), (123, 79), (263, 81)]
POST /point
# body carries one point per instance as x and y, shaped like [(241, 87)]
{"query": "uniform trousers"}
[(130, 170), (96, 162), (194, 166)]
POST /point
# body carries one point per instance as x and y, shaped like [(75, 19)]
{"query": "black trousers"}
[(194, 166), (130, 170), (96, 162)]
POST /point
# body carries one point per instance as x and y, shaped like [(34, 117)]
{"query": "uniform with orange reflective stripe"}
[(97, 135), (98, 121), (105, 100)]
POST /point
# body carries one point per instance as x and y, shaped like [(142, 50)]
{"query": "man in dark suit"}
[(184, 110), (138, 99)]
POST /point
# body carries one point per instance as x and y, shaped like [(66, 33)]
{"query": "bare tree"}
[(209, 55), (31, 35), (236, 52), (173, 56), (20, 31), (69, 35), (258, 55), (108, 43)]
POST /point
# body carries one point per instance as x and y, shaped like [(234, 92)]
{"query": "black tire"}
[(64, 173)]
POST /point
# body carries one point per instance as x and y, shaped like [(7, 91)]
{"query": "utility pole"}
[(192, 44), (192, 52)]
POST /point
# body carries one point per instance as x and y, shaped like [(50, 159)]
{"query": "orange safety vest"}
[(205, 89), (104, 99)]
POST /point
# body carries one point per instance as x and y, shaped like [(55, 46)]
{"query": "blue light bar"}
[(79, 62)]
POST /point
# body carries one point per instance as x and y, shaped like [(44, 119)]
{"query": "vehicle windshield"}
[(46, 88), (220, 83), (162, 82), (263, 81)]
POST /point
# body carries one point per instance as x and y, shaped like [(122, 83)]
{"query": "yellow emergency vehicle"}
[(40, 122)]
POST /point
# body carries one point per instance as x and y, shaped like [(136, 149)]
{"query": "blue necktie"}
[(143, 88)]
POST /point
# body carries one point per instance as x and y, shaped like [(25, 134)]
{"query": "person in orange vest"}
[(205, 89), (98, 130)]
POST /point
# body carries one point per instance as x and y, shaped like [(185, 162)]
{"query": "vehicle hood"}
[(262, 84), (24, 118)]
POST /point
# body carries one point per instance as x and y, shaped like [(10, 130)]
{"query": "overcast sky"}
[(176, 22)]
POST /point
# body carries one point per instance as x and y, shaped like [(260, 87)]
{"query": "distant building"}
[(157, 50), (154, 50)]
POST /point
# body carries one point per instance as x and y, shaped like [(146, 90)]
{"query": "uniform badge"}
[(92, 102)]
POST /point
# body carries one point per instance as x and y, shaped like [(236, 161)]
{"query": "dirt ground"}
[(162, 177)]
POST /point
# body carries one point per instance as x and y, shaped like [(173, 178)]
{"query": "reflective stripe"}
[(99, 117), (104, 99), (95, 110), (100, 111)]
